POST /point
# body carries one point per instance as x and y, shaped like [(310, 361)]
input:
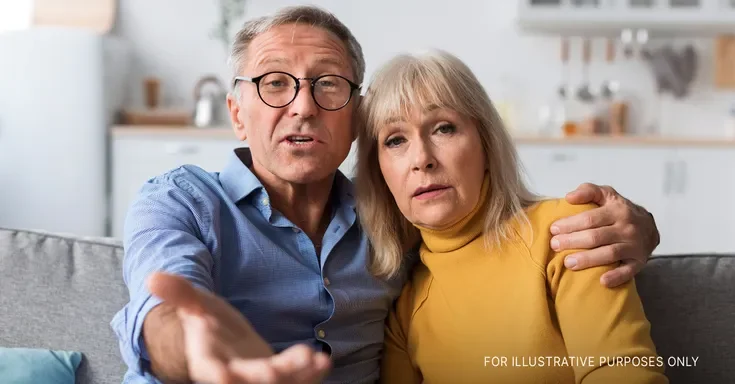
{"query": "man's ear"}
[(356, 117), (237, 125)]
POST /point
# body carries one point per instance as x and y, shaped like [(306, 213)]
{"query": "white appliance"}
[(59, 88)]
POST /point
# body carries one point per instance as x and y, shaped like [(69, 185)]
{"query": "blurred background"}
[(97, 96)]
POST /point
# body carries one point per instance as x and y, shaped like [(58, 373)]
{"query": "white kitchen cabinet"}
[(555, 170), (137, 158), (689, 190), (668, 17), (701, 207)]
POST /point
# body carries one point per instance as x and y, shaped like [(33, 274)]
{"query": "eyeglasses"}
[(279, 89)]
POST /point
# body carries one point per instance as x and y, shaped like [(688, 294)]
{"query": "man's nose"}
[(304, 105)]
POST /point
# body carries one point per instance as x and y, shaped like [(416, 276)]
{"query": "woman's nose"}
[(423, 157)]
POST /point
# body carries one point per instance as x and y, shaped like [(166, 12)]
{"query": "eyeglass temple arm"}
[(238, 78)]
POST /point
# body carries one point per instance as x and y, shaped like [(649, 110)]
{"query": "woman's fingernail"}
[(570, 262), (555, 230), (555, 244)]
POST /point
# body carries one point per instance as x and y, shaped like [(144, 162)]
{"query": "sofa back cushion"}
[(690, 302), (60, 293)]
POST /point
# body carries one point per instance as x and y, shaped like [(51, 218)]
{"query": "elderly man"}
[(274, 237)]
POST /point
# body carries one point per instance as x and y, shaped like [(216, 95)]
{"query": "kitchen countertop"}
[(223, 132), (666, 141), (226, 132)]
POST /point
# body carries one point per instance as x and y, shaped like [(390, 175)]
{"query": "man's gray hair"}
[(297, 14)]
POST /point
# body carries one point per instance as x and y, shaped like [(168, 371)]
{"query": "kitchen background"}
[(171, 39), (672, 108)]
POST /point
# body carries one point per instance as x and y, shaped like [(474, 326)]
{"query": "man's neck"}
[(305, 205)]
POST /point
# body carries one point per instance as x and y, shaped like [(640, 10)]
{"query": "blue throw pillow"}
[(32, 366)]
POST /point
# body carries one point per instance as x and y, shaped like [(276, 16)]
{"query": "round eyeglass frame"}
[(297, 81)]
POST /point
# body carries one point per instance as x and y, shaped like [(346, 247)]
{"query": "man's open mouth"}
[(299, 139)]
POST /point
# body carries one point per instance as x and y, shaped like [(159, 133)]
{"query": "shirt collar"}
[(239, 181)]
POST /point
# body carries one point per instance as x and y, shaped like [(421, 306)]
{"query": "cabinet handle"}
[(561, 157), (181, 149), (667, 178), (682, 177)]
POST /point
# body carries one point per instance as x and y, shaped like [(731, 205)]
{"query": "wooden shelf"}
[(628, 141), (227, 133)]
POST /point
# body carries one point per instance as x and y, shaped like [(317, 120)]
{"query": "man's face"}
[(301, 142)]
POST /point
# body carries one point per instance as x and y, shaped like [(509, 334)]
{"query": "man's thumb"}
[(175, 291)]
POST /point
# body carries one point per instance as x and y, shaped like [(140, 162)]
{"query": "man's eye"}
[(326, 83)]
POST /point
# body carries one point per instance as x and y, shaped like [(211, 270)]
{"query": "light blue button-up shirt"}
[(219, 231)]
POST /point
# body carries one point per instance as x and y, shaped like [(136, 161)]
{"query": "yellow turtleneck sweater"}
[(514, 315)]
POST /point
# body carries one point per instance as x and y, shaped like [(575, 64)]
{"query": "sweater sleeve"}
[(397, 367), (608, 325)]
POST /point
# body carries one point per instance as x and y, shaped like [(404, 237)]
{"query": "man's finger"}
[(208, 366), (592, 258), (216, 372), (294, 359), (317, 373), (621, 275), (175, 290), (588, 239), (585, 194), (302, 364), (252, 371), (593, 218)]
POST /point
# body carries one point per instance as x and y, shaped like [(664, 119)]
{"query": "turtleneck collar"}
[(461, 233)]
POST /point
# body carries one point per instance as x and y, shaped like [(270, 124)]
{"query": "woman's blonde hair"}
[(411, 81)]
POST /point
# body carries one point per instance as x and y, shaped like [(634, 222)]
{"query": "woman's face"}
[(434, 165)]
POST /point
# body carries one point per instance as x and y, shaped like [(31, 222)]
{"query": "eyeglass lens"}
[(279, 89)]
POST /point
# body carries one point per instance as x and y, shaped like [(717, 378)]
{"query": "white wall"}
[(15, 15), (171, 40)]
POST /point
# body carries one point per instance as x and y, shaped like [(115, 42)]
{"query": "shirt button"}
[(321, 334), (326, 282), (296, 230), (264, 201)]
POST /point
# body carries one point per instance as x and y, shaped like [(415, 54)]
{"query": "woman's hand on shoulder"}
[(618, 231)]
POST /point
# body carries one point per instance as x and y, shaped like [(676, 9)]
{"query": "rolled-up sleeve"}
[(163, 232)]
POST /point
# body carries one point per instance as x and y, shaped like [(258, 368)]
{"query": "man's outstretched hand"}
[(221, 346)]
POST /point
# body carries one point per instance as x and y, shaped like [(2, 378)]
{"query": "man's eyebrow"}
[(272, 60), (332, 61)]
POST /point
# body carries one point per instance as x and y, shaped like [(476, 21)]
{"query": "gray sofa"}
[(60, 292)]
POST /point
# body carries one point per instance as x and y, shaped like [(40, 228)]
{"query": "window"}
[(15, 14)]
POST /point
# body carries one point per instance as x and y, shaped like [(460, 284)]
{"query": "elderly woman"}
[(489, 301)]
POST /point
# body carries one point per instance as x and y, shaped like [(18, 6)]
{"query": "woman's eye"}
[(394, 141), (446, 128)]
